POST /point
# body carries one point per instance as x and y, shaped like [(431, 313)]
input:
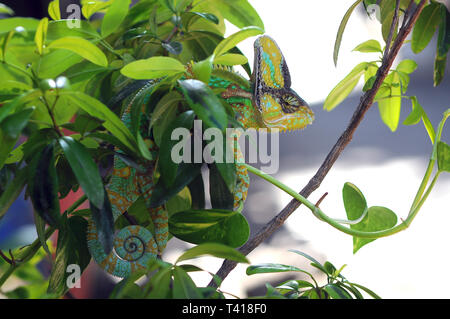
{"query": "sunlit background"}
[(386, 166)]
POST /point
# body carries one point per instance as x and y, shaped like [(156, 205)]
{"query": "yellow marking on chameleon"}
[(271, 63), (119, 201), (122, 172), (274, 116)]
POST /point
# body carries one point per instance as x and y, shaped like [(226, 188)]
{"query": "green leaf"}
[(104, 223), (203, 70), (6, 142), (205, 103), (12, 190), (114, 16), (152, 68), (6, 39), (81, 47), (29, 24), (369, 46), (215, 250), (186, 173), (71, 249), (41, 34), (425, 27), (367, 290), (85, 123), (10, 89), (167, 167), (6, 10), (387, 11), (314, 263), (61, 28), (166, 104), (443, 154), (341, 29), (443, 44), (378, 218), (429, 127), (40, 230), (238, 12), (221, 195), (407, 66), (85, 170), (56, 62), (390, 105), (91, 7), (439, 69), (180, 202), (160, 284), (369, 83), (126, 289), (183, 286), (344, 87), (54, 11), (189, 17), (354, 201), (197, 190), (227, 44), (190, 268), (98, 110), (231, 59), (164, 114), (416, 115), (13, 124), (337, 292), (43, 187), (404, 81), (203, 226), (267, 268)]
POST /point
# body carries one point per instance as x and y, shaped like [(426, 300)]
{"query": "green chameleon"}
[(266, 101)]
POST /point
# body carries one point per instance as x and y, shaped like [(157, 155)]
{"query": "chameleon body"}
[(266, 101)]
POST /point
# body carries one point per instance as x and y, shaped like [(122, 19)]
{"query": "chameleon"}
[(265, 101)]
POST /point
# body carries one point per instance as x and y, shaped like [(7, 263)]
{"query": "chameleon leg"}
[(134, 246)]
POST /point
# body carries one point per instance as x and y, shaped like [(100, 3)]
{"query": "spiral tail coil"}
[(134, 247)]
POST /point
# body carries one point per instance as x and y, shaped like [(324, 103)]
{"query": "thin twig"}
[(365, 103), (9, 261), (13, 260), (392, 30), (407, 12), (321, 199)]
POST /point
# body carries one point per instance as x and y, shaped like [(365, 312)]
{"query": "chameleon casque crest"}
[(266, 101)]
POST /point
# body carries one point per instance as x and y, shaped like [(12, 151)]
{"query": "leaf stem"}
[(25, 256)]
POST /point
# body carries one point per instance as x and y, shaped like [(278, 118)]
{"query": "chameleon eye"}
[(290, 103)]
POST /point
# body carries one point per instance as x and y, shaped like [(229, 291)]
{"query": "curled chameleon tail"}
[(267, 102), (134, 245)]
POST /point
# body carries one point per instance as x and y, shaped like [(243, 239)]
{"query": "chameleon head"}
[(286, 112), (280, 106)]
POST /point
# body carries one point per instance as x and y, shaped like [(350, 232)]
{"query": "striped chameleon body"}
[(267, 101)]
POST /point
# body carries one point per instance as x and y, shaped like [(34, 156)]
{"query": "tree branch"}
[(365, 103)]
